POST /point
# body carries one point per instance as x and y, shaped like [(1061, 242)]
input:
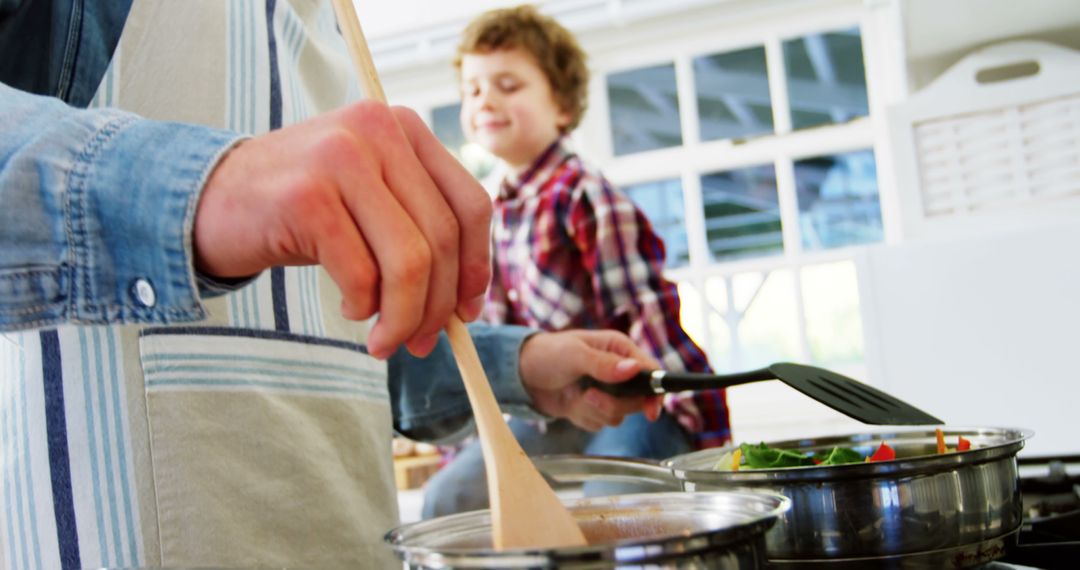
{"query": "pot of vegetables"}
[(913, 497)]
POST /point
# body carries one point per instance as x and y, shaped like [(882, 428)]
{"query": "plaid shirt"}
[(571, 251)]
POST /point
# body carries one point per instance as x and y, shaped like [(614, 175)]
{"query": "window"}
[(663, 204), (825, 78), (752, 318), (838, 200), (742, 212), (834, 332), (644, 109), (732, 91), (446, 125), (773, 199)]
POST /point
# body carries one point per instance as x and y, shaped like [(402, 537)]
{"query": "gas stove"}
[(1050, 536)]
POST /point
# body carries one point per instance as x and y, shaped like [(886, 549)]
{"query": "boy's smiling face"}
[(507, 105)]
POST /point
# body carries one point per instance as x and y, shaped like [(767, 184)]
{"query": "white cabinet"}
[(992, 144)]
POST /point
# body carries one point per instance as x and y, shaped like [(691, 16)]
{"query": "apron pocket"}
[(268, 448)]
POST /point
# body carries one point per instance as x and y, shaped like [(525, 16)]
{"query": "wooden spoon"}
[(525, 511)]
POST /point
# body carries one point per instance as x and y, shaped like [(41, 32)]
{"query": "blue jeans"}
[(462, 484)]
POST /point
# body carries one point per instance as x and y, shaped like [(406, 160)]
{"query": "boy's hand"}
[(370, 194), (553, 363)]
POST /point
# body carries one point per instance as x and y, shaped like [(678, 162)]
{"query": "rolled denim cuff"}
[(499, 348), (428, 395), (210, 286), (133, 192)]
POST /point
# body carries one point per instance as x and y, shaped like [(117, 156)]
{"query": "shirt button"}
[(512, 295), (143, 292)]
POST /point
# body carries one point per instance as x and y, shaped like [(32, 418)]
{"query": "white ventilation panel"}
[(996, 137)]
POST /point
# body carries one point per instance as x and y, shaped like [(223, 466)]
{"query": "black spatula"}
[(845, 395)]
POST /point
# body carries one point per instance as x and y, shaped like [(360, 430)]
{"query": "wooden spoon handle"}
[(349, 22), (489, 419), (525, 512)]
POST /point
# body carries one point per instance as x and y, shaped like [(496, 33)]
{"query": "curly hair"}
[(554, 48)]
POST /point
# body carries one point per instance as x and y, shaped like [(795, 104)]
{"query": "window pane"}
[(644, 109), (733, 94), (742, 212), (825, 77), (662, 202), (722, 350), (838, 200), (764, 327), (833, 322), (447, 128), (769, 331), (692, 313)]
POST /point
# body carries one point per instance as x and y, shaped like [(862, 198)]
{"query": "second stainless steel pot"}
[(923, 510), (717, 530)]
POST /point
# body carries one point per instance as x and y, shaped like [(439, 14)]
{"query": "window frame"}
[(782, 149)]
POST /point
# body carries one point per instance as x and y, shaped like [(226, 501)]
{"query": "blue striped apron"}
[(259, 437)]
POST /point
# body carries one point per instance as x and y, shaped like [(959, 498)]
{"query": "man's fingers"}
[(422, 346), (398, 246), (470, 204), (352, 267), (425, 204)]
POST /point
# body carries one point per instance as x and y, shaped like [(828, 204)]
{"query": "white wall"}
[(985, 330), (939, 33), (386, 19)]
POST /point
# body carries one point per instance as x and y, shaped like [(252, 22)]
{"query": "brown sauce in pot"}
[(608, 527)]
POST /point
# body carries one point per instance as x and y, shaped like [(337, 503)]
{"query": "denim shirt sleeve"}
[(96, 213), (428, 395)]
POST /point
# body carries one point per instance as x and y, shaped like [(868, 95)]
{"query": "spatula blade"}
[(851, 397)]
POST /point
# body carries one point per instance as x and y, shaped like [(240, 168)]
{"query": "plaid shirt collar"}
[(524, 184)]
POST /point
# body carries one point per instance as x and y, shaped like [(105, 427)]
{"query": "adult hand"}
[(553, 363), (369, 193)]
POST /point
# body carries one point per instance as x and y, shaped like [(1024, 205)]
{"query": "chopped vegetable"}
[(883, 453), (724, 463), (729, 461), (765, 457), (761, 456), (841, 456)]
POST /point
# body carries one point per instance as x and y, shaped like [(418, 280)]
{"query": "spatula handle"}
[(650, 383)]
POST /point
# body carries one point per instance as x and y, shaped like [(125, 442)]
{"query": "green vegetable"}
[(762, 456), (842, 455)]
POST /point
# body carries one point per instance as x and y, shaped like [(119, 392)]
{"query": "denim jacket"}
[(97, 207)]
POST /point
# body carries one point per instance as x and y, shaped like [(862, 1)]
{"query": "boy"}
[(570, 251)]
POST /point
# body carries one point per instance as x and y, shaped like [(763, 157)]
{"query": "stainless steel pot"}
[(723, 530), (921, 511)]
